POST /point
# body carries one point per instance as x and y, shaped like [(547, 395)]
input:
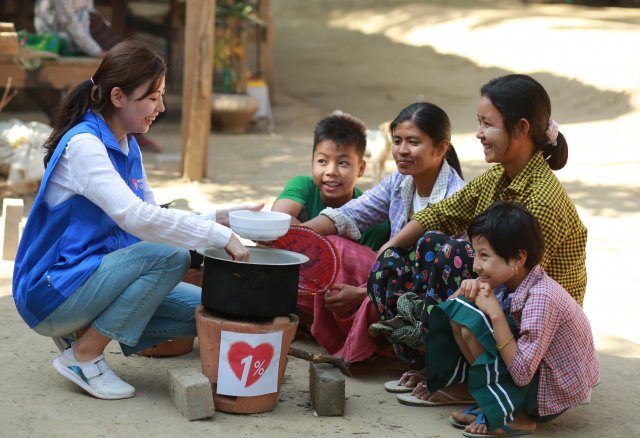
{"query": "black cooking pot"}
[(264, 287)]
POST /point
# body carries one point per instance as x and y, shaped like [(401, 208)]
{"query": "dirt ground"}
[(371, 58)]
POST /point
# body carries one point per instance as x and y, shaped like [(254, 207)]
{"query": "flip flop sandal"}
[(471, 410), (412, 400), (394, 386), (508, 431)]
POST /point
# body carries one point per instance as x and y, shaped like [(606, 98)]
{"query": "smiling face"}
[(492, 133), (492, 268), (137, 112), (335, 170), (414, 151)]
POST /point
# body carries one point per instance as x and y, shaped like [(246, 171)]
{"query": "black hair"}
[(343, 129), (509, 228), (518, 97), (433, 121), (127, 65)]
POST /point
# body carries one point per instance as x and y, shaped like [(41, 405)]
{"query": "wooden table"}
[(45, 84), (59, 74)]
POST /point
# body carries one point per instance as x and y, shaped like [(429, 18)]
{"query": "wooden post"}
[(197, 87)]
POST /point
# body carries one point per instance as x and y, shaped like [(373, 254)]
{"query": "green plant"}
[(229, 57)]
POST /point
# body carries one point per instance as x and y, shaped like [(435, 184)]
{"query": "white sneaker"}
[(95, 376)]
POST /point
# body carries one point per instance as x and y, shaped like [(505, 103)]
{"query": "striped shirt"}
[(390, 200), (555, 337), (537, 189)]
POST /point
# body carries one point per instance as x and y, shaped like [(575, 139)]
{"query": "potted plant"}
[(232, 108)]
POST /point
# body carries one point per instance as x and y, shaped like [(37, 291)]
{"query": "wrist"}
[(496, 316)]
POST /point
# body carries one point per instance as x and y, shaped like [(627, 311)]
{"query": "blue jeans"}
[(134, 297)]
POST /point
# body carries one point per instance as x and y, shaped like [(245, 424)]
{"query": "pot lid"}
[(259, 256)]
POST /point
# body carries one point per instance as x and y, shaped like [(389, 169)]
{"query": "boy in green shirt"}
[(339, 317), (339, 143)]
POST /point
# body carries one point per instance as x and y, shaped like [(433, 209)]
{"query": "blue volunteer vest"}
[(63, 245)]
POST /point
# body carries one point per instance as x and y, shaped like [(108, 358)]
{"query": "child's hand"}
[(345, 299), (468, 289), (487, 302)]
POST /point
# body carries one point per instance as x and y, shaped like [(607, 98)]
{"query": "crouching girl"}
[(523, 344)]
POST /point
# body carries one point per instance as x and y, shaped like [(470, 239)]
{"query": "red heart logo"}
[(249, 363)]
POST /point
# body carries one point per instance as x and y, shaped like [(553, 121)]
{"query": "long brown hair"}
[(127, 65)]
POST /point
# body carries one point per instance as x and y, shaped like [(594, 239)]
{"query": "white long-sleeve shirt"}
[(85, 169)]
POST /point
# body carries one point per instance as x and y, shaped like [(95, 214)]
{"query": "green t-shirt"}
[(302, 190)]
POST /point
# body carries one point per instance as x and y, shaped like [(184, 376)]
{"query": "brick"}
[(12, 211), (191, 393), (326, 389)]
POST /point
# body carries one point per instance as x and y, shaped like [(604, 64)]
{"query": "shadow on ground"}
[(597, 199), (31, 389), (377, 93)]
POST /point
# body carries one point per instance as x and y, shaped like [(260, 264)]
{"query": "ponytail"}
[(127, 65), (452, 159), (67, 115), (557, 155)]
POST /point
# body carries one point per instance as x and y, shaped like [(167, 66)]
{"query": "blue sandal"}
[(471, 410), (508, 431)]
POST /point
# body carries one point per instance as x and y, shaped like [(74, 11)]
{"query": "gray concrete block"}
[(12, 211), (326, 389), (191, 393)]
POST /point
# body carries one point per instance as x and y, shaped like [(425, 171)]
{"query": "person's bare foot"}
[(466, 419), (521, 423), (412, 378), (454, 392), (421, 391)]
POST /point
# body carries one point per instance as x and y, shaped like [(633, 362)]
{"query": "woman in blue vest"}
[(98, 259)]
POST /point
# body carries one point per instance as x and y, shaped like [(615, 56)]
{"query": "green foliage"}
[(241, 10), (232, 18)]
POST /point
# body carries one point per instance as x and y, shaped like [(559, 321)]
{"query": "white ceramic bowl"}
[(259, 225)]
